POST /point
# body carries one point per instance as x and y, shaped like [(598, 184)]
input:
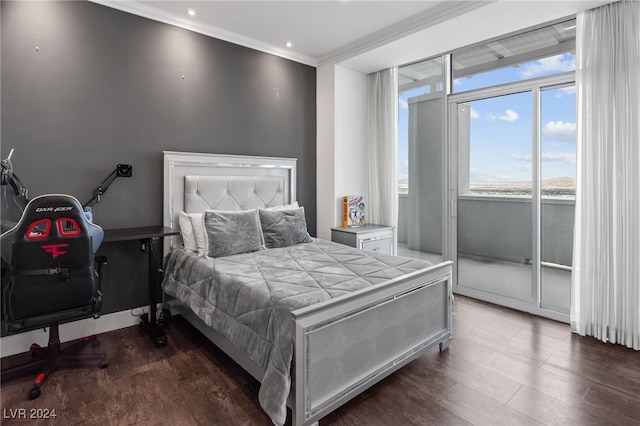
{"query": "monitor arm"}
[(121, 170)]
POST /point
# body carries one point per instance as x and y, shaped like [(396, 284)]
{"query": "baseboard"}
[(18, 343)]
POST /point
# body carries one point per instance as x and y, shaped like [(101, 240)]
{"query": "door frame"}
[(450, 227)]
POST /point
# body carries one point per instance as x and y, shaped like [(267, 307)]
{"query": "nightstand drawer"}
[(377, 245)]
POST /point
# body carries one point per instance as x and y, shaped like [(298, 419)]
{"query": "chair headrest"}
[(56, 215), (53, 230), (54, 205)]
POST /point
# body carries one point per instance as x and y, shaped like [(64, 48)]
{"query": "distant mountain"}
[(558, 186), (559, 182)]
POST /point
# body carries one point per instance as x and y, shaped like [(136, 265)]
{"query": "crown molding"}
[(135, 8), (443, 11)]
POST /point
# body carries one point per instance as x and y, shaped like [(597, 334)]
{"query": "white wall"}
[(325, 151), (21, 342), (342, 146), (352, 142)]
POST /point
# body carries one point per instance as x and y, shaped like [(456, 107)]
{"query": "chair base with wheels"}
[(48, 359)]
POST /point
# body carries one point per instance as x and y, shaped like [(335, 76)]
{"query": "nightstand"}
[(369, 237)]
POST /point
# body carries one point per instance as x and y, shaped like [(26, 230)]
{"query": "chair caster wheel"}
[(34, 347), (103, 364), (164, 317), (33, 394)]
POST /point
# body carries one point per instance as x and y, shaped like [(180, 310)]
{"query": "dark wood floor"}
[(502, 368)]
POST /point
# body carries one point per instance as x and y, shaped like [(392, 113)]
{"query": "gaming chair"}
[(54, 278)]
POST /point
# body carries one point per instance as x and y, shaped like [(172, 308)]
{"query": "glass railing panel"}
[(420, 160)]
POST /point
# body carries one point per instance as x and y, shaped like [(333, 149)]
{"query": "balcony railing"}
[(495, 227)]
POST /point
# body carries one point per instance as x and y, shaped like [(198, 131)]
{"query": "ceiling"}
[(363, 35)]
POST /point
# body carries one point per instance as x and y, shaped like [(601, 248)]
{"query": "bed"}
[(314, 321)]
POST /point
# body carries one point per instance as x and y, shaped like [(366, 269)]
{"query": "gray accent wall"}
[(86, 87)]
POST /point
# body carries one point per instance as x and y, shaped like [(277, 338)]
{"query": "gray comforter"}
[(249, 298)]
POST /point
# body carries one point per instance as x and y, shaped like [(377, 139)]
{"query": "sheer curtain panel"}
[(383, 137), (606, 276)]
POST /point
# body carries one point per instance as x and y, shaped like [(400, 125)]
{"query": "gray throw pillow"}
[(282, 228), (231, 232)]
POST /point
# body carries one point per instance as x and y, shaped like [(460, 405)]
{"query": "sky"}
[(501, 127)]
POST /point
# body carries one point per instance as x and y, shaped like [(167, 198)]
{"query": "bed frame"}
[(392, 323)]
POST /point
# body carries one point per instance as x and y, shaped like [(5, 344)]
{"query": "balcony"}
[(495, 245)]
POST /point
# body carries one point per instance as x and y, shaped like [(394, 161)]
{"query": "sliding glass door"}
[(494, 208), (512, 167), (487, 166)]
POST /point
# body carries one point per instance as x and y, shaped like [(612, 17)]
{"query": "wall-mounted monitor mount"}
[(121, 170)]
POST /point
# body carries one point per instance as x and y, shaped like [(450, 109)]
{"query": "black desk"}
[(151, 239)]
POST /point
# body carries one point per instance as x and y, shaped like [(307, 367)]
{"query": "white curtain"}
[(383, 136), (606, 267)]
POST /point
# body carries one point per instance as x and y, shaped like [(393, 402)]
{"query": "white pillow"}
[(186, 231), (197, 221), (193, 233)]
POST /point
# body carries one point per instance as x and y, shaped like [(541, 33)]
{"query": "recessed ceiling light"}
[(191, 12), (289, 44)]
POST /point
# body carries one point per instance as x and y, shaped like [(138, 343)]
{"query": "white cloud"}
[(473, 113), (508, 116), (551, 65), (403, 104), (521, 157), (564, 91), (560, 131)]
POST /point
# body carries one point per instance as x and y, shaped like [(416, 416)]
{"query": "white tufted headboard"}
[(195, 182), (233, 192)]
